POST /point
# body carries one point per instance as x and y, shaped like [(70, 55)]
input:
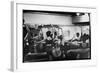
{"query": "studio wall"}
[(43, 18)]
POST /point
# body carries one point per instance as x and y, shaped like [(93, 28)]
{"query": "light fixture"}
[(78, 14)]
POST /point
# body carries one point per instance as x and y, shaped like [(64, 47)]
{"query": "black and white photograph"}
[(52, 36), (55, 36)]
